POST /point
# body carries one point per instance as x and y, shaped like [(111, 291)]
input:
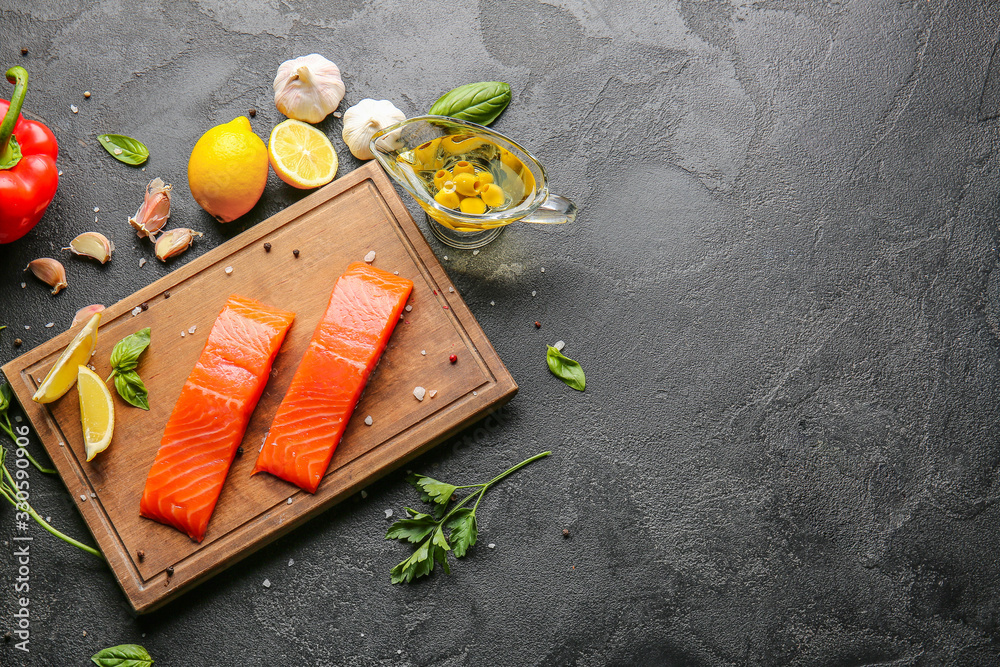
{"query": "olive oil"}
[(468, 173)]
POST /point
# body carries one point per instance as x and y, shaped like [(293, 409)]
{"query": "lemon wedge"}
[(301, 155), (97, 412), (62, 376)]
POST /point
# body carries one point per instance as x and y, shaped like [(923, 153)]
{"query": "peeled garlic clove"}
[(363, 120), (50, 272), (92, 244), (174, 242), (308, 88), (85, 313), (155, 210)]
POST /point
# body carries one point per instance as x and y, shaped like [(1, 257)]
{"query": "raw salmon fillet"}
[(214, 408), (364, 307)]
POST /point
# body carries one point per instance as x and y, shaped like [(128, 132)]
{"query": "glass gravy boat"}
[(470, 180)]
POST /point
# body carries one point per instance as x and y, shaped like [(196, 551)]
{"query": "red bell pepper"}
[(28, 173)]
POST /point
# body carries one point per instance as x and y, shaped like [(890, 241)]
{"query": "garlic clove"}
[(154, 211), (308, 88), (49, 271), (363, 120), (85, 313), (92, 244), (173, 242)]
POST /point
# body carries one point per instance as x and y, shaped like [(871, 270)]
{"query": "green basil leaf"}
[(124, 149), (476, 102), (125, 356), (566, 369), (125, 655), (131, 388), (463, 531)]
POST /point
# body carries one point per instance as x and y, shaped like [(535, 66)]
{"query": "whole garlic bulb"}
[(308, 88), (363, 120)]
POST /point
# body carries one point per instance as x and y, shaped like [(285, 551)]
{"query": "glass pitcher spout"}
[(555, 210)]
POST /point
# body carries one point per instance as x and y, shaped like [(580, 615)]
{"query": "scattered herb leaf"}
[(125, 655), (132, 151), (566, 369), (429, 530), (476, 102), (124, 359)]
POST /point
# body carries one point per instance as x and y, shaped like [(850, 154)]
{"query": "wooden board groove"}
[(332, 227)]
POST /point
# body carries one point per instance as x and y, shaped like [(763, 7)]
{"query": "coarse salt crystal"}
[(192, 329), (267, 583), (388, 513), (408, 308), (423, 353), (289, 501), (291, 562), (395, 273), (136, 311), (370, 257), (533, 292), (475, 252), (182, 334), (364, 494), (83, 497), (26, 327), (337, 114), (491, 545), (560, 344), (50, 325), (446, 258), (97, 210), (475, 393), (93, 495), (60, 172), (543, 269), (229, 270), (23, 285), (73, 108), (142, 262), (432, 393), (451, 289), (418, 393), (368, 420), (118, 151), (493, 303)]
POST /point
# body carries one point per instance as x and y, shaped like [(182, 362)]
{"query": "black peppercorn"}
[(565, 532), (24, 51), (253, 112), (141, 554), (239, 451), (170, 571), (296, 252), (166, 295), (267, 247), (18, 342)]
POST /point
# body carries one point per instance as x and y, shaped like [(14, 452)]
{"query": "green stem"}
[(45, 524), (488, 484), (8, 490), (18, 76), (9, 430)]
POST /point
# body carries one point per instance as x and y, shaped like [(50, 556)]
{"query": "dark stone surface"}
[(782, 286)]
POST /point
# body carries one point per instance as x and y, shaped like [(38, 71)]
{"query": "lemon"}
[(227, 170), (301, 155), (97, 412), (62, 376)]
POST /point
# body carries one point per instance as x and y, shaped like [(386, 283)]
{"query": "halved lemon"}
[(301, 155), (62, 376), (97, 412)]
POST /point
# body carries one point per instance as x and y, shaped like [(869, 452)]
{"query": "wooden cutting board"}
[(338, 224)]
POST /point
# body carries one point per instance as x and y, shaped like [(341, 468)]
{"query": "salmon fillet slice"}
[(211, 415), (364, 307)]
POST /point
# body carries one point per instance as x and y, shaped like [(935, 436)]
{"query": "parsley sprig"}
[(429, 529)]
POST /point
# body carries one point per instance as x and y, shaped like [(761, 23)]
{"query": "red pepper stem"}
[(18, 76)]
